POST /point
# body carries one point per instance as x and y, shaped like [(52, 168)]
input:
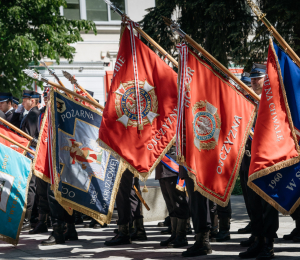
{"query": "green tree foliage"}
[(220, 26), (226, 28), (29, 31), (284, 16)]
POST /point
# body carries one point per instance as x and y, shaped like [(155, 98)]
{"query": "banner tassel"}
[(145, 189)]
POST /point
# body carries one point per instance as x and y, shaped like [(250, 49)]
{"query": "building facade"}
[(95, 56)]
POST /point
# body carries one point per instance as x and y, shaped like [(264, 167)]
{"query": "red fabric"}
[(232, 109), (181, 183), (14, 136), (42, 159), (82, 93), (273, 141), (173, 165), (129, 142)]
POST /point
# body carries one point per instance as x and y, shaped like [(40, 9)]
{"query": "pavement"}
[(91, 243)]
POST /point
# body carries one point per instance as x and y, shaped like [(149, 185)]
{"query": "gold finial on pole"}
[(256, 10), (175, 28), (273, 31)]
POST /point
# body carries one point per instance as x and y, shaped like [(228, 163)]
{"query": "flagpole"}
[(287, 48), (141, 198), (16, 143), (74, 81), (33, 74), (145, 35), (52, 72), (16, 129), (176, 28), (74, 94)]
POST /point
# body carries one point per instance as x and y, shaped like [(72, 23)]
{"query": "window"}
[(121, 5), (73, 10), (96, 10), (93, 10)]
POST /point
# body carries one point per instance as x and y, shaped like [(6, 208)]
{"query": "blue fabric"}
[(283, 186), (14, 174), (168, 166), (29, 155), (87, 181), (291, 79)]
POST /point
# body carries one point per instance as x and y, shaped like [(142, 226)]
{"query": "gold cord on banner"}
[(262, 17)]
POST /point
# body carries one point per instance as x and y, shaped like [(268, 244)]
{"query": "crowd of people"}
[(211, 222)]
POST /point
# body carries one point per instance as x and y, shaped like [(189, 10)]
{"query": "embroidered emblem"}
[(61, 106), (2, 183), (126, 107), (6, 183), (206, 125)]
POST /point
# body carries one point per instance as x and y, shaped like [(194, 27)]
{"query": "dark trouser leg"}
[(139, 232), (199, 208), (41, 190), (295, 234), (57, 211), (135, 203), (178, 210), (175, 199), (214, 221), (244, 170), (124, 211), (296, 214), (165, 193), (31, 193), (224, 212), (43, 207), (30, 202), (224, 216), (122, 199), (265, 220)]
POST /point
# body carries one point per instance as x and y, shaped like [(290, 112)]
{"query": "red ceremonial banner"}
[(218, 119), (141, 149), (276, 145), (40, 162), (14, 136)]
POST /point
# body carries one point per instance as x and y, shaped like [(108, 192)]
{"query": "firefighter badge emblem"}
[(126, 106), (206, 125)]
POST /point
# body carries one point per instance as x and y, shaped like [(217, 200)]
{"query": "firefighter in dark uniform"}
[(264, 217), (6, 105), (244, 170), (15, 103), (200, 212), (29, 124), (125, 212), (220, 218), (295, 234), (59, 216), (176, 203), (41, 192)]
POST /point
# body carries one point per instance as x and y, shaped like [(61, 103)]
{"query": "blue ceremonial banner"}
[(15, 175), (87, 176), (290, 73), (275, 168)]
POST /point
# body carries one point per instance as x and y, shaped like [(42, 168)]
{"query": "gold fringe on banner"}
[(280, 165), (35, 172)]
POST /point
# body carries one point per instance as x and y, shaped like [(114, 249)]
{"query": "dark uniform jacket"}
[(9, 115), (2, 115), (162, 171), (30, 124), (16, 119)]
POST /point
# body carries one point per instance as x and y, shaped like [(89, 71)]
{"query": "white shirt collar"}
[(9, 110)]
